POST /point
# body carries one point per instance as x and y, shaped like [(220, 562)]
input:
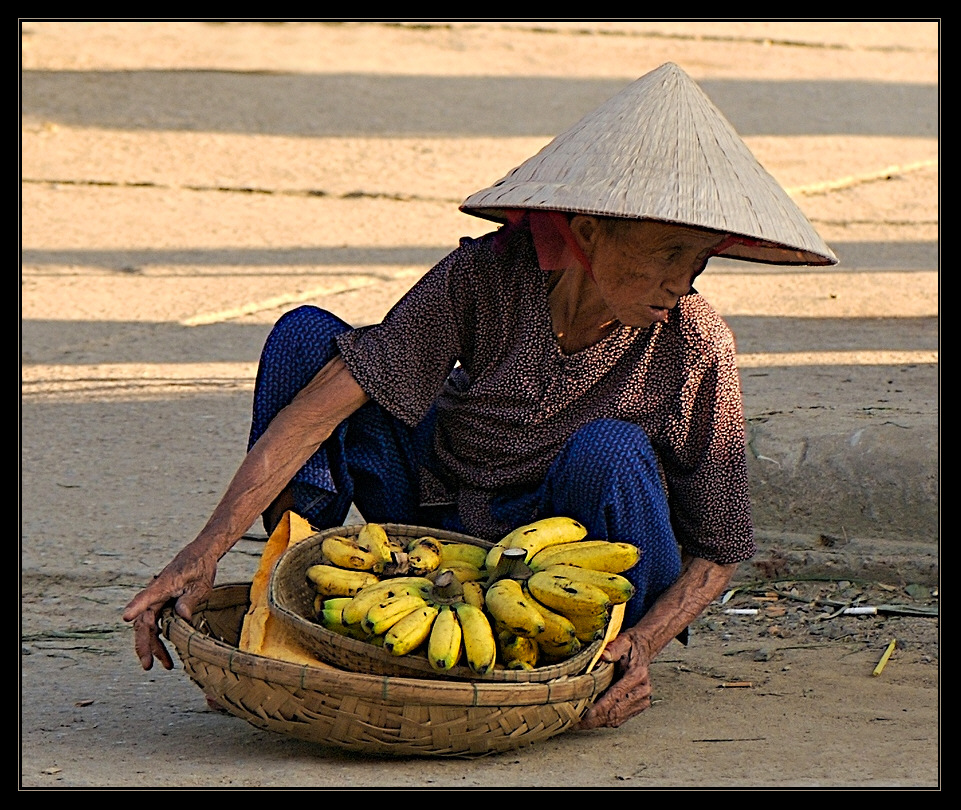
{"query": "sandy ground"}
[(185, 183)]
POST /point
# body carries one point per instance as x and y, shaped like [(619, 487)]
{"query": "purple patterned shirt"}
[(474, 335)]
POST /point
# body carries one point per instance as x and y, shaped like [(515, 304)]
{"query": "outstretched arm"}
[(700, 583), (292, 437)]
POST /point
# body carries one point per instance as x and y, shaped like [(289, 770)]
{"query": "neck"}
[(579, 316)]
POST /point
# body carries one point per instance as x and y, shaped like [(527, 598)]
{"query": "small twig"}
[(885, 657)]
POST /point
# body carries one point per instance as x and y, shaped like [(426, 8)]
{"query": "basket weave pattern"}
[(291, 598), (367, 713)]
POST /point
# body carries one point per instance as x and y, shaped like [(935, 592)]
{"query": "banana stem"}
[(447, 588), (511, 565)]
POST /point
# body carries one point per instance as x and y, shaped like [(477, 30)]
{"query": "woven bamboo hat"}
[(661, 150)]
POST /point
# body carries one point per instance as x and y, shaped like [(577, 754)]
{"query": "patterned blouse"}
[(474, 336)]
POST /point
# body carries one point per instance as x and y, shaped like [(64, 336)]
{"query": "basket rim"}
[(195, 643)]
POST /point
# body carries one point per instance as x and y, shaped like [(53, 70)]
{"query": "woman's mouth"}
[(658, 314)]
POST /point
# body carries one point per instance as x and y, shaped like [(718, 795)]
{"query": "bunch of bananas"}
[(536, 597), (408, 614), (556, 589)]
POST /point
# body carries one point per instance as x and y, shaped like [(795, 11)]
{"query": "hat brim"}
[(661, 150)]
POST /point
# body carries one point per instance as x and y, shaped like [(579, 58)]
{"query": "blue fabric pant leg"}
[(371, 459), (607, 477)]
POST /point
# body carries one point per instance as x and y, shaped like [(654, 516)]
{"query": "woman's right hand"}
[(188, 579)]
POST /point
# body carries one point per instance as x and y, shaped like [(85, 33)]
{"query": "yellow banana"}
[(559, 652), (423, 556), (590, 626), (465, 572), (384, 615), (509, 604), (559, 636), (454, 553), (347, 552), (618, 589), (565, 595), (517, 652), (374, 537), (444, 647), (354, 612), (480, 645), (411, 631), (544, 533), (493, 557), (474, 593), (329, 580), (599, 555)]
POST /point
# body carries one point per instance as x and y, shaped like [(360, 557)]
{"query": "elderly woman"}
[(561, 365)]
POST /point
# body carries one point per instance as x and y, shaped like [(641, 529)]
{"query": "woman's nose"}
[(680, 281), (678, 284)]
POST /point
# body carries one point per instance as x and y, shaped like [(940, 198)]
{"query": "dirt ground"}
[(184, 183)]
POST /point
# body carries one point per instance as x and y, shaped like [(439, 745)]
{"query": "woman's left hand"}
[(630, 694)]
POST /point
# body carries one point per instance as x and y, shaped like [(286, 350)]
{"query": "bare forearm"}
[(290, 440), (700, 583)]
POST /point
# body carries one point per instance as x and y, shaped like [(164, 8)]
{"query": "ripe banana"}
[(411, 631), (599, 555), (590, 626), (480, 645), (517, 652), (329, 580), (538, 535), (384, 615), (474, 593), (454, 553), (347, 552), (618, 589), (444, 647), (559, 652), (423, 556), (509, 604), (567, 596), (374, 537), (355, 611), (559, 637), (465, 572)]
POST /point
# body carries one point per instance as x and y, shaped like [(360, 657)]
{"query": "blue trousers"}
[(606, 475)]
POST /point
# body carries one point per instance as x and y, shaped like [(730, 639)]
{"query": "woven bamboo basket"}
[(291, 600), (380, 715)]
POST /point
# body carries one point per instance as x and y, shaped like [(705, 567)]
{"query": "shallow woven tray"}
[(291, 599), (368, 713)]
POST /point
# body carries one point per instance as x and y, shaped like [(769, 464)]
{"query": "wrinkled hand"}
[(188, 578), (630, 693)]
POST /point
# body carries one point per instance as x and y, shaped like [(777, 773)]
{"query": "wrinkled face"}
[(642, 268)]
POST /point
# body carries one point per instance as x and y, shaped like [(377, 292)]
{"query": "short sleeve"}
[(403, 362)]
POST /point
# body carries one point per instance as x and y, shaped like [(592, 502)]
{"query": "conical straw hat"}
[(661, 150)]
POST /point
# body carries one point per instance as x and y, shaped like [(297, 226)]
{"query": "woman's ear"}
[(586, 230)]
